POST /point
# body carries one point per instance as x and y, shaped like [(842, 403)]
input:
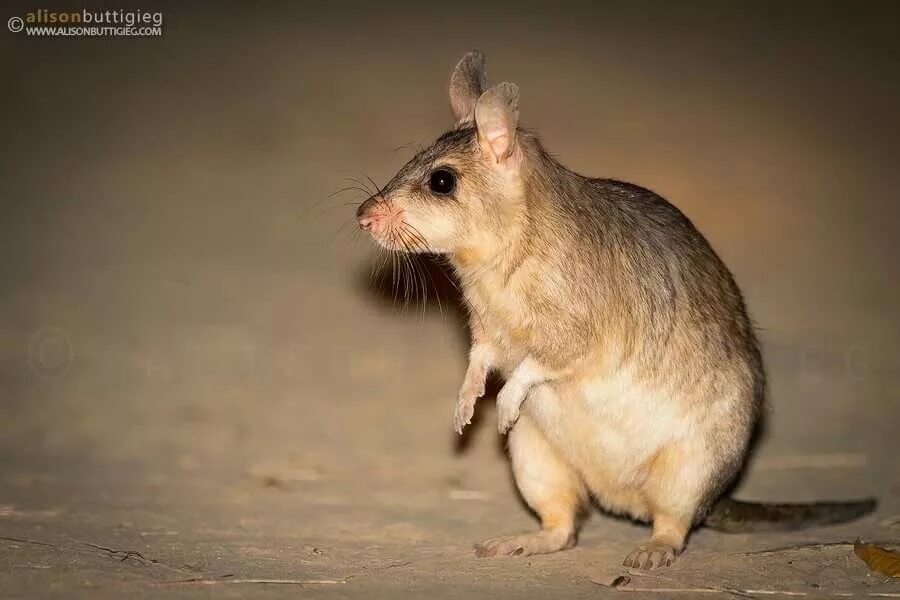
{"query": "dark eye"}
[(442, 181)]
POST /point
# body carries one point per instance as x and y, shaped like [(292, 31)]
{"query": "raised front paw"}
[(465, 408), (509, 400)]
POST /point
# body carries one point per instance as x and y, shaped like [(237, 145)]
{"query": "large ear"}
[(466, 84), (497, 116)]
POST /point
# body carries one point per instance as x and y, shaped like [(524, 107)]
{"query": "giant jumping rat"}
[(632, 371)]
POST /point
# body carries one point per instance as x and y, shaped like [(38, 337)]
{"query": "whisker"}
[(356, 238), (412, 290), (344, 225), (375, 185), (429, 277), (421, 238), (414, 145), (378, 268), (423, 275), (408, 265), (395, 274), (450, 279), (421, 281), (349, 188), (328, 198), (362, 184), (328, 209), (410, 283)]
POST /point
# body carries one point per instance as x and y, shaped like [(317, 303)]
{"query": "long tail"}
[(735, 516)]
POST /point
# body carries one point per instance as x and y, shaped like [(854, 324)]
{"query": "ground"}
[(202, 388)]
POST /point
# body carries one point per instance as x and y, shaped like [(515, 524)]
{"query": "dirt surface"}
[(202, 390)]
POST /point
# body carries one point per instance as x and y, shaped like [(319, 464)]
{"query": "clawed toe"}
[(650, 556), (486, 549), (503, 546), (542, 542)]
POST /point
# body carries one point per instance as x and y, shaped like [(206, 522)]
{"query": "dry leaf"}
[(886, 562)]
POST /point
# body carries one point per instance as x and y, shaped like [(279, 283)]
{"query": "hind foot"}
[(542, 542), (650, 556)]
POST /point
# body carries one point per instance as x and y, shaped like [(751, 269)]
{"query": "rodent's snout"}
[(368, 218), (383, 220)]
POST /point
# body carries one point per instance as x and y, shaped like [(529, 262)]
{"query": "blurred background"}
[(189, 325)]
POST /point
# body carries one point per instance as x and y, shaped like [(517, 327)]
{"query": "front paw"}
[(465, 408), (509, 400)]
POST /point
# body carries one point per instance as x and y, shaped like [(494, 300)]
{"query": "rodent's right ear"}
[(466, 85), (497, 117)]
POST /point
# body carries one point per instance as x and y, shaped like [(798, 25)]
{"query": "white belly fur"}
[(609, 431)]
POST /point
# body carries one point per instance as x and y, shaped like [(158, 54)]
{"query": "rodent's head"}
[(464, 191)]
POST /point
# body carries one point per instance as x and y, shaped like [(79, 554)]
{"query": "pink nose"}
[(366, 223), (368, 218)]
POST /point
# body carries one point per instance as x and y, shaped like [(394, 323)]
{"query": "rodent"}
[(632, 370)]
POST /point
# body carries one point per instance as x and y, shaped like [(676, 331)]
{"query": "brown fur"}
[(609, 314)]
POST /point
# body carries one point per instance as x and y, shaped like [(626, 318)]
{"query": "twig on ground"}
[(213, 581), (813, 546), (623, 584), (691, 586), (25, 541), (126, 555), (123, 555), (748, 593)]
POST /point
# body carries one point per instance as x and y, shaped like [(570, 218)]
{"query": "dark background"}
[(188, 326)]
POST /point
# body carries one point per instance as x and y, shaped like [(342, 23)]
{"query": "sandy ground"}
[(202, 389)]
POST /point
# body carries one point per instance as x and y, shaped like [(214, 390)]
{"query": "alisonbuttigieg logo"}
[(121, 22)]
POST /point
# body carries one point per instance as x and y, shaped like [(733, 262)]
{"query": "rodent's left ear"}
[(466, 84), (497, 116)]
